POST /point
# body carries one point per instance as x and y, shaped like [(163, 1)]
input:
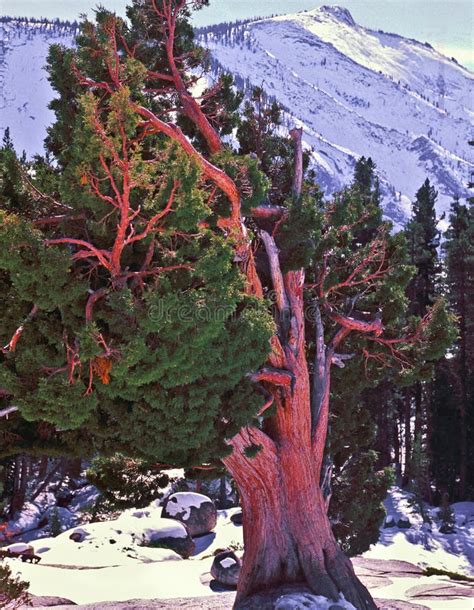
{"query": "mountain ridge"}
[(358, 92), (355, 91)]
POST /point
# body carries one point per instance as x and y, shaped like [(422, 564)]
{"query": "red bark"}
[(287, 534)]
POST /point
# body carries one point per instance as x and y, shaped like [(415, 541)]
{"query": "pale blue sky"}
[(447, 24)]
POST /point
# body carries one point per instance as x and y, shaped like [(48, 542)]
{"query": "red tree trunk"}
[(287, 534)]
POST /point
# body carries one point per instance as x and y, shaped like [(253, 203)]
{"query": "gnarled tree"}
[(162, 303)]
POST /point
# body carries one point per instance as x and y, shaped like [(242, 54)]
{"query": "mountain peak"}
[(338, 12)]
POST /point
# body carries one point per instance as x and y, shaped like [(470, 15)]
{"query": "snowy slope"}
[(359, 92), (24, 89), (355, 91)]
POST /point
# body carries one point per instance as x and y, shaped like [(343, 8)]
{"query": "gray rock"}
[(49, 601), (184, 546), (237, 518), (385, 567), (226, 568), (404, 523), (439, 590), (281, 598), (197, 512), (396, 604), (78, 535)]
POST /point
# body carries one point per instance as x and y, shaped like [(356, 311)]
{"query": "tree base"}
[(268, 600)]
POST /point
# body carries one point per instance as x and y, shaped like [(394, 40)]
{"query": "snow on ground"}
[(110, 563), (100, 570), (423, 544)]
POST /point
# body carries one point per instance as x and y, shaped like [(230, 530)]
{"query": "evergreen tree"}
[(13, 591), (446, 516), (455, 418), (423, 238), (420, 479), (366, 184), (357, 408), (445, 430), (139, 319), (366, 180), (125, 482)]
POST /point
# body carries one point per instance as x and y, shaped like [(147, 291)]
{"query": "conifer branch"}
[(11, 345)]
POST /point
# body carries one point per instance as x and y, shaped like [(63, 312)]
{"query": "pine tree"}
[(420, 479), (13, 591), (125, 482), (366, 184), (358, 405), (458, 410), (445, 430), (139, 318), (423, 238)]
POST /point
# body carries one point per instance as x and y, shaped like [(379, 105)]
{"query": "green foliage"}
[(430, 571), (447, 518), (13, 591), (423, 239), (13, 195), (300, 233), (453, 416), (446, 431), (144, 337), (126, 482), (160, 371), (366, 184), (250, 180), (55, 523), (221, 103), (252, 451), (356, 524), (364, 394), (258, 136)]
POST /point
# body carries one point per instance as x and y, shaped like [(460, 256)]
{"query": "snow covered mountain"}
[(354, 91), (359, 92), (24, 89)]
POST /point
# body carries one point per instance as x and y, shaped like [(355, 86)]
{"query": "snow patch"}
[(181, 502), (227, 562), (300, 601), (18, 547), (422, 543)]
